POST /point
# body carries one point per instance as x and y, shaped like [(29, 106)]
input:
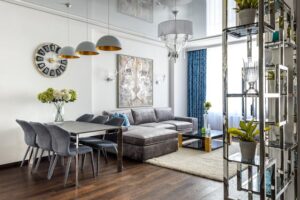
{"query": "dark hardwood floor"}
[(138, 181)]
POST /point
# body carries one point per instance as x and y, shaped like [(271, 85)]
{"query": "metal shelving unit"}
[(273, 171)]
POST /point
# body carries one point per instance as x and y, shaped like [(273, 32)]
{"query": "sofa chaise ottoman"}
[(153, 131)]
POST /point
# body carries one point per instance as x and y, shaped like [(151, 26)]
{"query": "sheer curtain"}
[(214, 84)]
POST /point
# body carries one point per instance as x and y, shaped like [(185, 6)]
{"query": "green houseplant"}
[(247, 136), (246, 11), (58, 98)]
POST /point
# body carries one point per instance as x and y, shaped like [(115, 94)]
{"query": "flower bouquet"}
[(58, 98)]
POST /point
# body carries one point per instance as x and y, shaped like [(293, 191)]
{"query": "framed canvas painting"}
[(141, 9), (135, 81)]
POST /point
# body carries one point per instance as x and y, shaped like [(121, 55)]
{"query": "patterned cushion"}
[(164, 114), (126, 112), (143, 115)]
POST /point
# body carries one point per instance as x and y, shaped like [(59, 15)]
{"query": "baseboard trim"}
[(18, 163)]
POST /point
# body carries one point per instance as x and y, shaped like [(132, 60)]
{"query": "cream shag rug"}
[(196, 162)]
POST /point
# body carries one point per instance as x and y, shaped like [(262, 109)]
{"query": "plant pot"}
[(247, 16), (248, 150)]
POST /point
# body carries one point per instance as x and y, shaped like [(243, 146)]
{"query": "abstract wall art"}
[(135, 81)]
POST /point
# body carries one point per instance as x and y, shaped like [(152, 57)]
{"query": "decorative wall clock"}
[(47, 61)]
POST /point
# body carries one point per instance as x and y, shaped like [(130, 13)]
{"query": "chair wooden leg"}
[(34, 158), (67, 170), (51, 163), (30, 156), (83, 157), (38, 162), (52, 167), (22, 163), (98, 161), (105, 155), (93, 164)]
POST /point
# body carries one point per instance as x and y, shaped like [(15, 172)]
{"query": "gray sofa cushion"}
[(143, 115), (180, 125), (125, 111), (164, 114), (159, 125), (143, 136)]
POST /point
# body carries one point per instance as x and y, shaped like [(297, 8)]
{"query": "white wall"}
[(22, 30)]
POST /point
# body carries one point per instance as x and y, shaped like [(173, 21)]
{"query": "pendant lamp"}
[(109, 42), (68, 52), (87, 48)]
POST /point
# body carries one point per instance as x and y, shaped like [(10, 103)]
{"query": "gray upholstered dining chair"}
[(30, 140), (85, 118), (62, 147), (101, 119), (43, 140), (102, 144)]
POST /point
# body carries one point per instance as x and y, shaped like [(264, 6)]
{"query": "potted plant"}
[(58, 98), (246, 11), (246, 135)]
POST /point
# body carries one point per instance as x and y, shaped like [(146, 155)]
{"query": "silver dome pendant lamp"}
[(109, 42), (87, 48), (68, 52)]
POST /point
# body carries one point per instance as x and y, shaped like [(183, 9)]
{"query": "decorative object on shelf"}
[(135, 81), (207, 106), (251, 75), (108, 42), (58, 98), (246, 134), (175, 33), (140, 9), (48, 62), (87, 48), (269, 56), (68, 52), (246, 10), (275, 37)]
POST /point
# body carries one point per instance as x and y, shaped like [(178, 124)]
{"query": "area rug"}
[(199, 163)]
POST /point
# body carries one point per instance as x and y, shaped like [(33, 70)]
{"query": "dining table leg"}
[(120, 150), (77, 161)]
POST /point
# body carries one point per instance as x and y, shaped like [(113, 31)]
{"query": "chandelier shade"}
[(175, 33), (67, 52), (109, 43), (87, 48)]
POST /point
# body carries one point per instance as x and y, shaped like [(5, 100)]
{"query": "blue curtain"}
[(197, 84)]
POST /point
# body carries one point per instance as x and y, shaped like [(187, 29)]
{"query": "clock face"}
[(47, 61)]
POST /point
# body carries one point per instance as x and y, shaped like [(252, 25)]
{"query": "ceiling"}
[(193, 10)]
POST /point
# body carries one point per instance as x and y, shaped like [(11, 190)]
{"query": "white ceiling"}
[(98, 10)]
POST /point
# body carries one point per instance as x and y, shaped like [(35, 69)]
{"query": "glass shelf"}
[(246, 30), (286, 146), (237, 158), (275, 45)]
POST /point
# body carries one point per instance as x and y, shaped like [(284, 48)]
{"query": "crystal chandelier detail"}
[(175, 33)]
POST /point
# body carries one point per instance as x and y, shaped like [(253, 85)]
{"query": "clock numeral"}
[(39, 58), (52, 72), (46, 48), (57, 49), (41, 52), (64, 62), (58, 72), (62, 68), (46, 71), (53, 47), (41, 65)]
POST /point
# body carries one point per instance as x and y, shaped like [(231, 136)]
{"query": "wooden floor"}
[(138, 181)]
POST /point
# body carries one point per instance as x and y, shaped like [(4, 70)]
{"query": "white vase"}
[(205, 121), (247, 16)]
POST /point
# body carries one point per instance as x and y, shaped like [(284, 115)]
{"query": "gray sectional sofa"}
[(153, 131)]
